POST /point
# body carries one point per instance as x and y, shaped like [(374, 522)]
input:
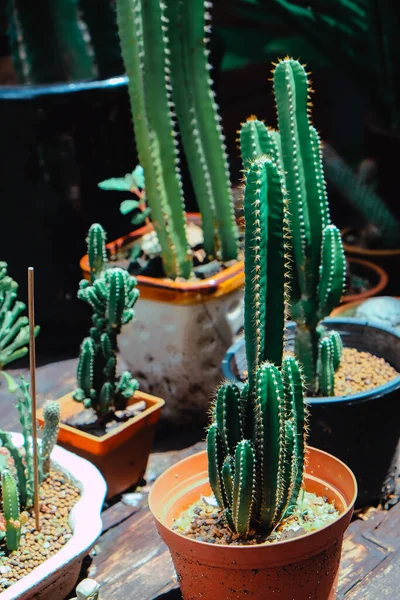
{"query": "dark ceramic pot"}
[(57, 142), (363, 429)]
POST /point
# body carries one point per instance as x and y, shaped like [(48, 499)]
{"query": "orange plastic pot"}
[(303, 568), (379, 278), (122, 454), (178, 292)]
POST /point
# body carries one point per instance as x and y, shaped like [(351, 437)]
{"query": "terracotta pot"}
[(122, 454), (299, 569), (373, 272), (180, 328), (388, 260)]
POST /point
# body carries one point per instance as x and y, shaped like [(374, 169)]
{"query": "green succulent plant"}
[(319, 267), (256, 441), (10, 500), (111, 293), (23, 461), (164, 46), (14, 324)]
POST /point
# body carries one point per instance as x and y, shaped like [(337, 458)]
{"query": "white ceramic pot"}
[(55, 578), (175, 350)]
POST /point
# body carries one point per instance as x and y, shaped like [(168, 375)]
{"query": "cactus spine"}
[(112, 294), (163, 46), (318, 275), (256, 441), (11, 510)]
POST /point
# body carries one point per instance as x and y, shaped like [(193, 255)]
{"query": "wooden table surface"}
[(130, 561)]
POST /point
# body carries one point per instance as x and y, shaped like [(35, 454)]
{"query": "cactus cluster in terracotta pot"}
[(256, 442)]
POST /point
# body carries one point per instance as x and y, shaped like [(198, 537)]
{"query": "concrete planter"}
[(57, 576)]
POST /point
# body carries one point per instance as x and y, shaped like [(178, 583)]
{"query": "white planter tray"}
[(55, 578)]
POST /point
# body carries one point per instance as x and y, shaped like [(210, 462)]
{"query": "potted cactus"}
[(257, 465), (71, 493), (106, 419), (339, 405), (197, 284)]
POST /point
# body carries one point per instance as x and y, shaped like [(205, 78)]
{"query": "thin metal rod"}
[(32, 366)]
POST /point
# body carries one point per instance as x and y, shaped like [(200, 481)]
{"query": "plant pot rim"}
[(383, 280), (372, 394), (339, 310), (197, 479), (85, 520), (365, 251), (179, 292), (31, 91), (100, 445)]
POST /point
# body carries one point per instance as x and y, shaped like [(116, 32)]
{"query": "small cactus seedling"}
[(256, 441), (23, 462), (318, 274), (11, 509), (14, 325), (112, 294), (164, 46)]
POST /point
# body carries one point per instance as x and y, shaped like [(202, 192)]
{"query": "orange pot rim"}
[(227, 280), (383, 280), (332, 530), (365, 251), (100, 445)]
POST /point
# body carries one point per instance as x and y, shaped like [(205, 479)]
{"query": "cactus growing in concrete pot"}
[(256, 442), (318, 273), (164, 46)]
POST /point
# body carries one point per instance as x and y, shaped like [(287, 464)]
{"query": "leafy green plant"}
[(14, 325), (318, 274), (256, 441), (111, 293), (23, 461), (164, 46)]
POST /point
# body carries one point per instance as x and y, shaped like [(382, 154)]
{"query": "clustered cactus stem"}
[(11, 509), (112, 294), (164, 46), (256, 441), (318, 274), (14, 325)]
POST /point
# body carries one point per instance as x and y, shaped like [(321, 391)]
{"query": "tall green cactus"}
[(112, 294), (165, 55), (318, 274), (256, 441), (11, 509), (48, 44), (14, 325)]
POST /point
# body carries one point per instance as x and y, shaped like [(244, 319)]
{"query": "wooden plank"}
[(382, 583), (386, 532), (131, 561)]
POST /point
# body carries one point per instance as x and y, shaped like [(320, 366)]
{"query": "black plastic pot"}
[(362, 429), (57, 142)]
